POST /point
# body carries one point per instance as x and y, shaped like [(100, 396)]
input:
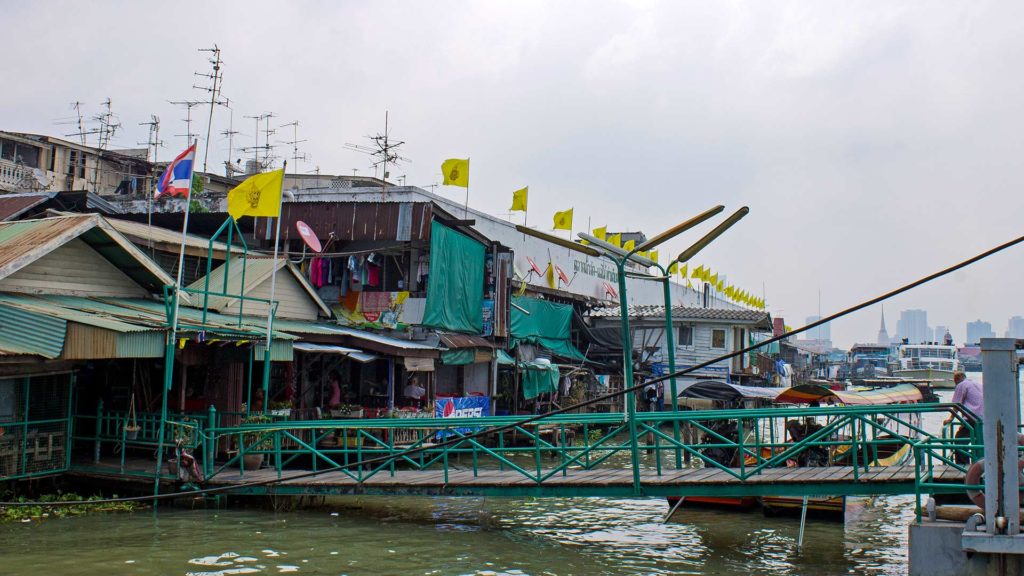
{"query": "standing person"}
[(414, 391), (650, 394), (968, 393)]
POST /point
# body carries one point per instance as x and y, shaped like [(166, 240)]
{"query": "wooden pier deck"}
[(835, 480)]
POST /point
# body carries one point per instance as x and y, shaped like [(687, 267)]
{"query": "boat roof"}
[(718, 390), (807, 393)]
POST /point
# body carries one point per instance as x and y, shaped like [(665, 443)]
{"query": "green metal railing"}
[(35, 429), (860, 437)]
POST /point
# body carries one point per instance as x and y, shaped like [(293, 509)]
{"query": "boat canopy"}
[(717, 390), (807, 393)]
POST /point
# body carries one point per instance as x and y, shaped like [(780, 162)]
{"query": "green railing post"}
[(69, 430), (627, 374), (210, 448), (671, 344), (99, 423)]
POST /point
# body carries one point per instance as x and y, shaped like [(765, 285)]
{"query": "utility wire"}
[(458, 440)]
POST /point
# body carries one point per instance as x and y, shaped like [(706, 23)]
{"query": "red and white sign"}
[(308, 236)]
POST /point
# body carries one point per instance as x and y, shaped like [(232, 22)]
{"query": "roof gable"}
[(25, 242), (226, 282)]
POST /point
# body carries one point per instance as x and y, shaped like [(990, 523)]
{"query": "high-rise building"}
[(1015, 327), (913, 325), (883, 334), (823, 332), (940, 334), (977, 330)]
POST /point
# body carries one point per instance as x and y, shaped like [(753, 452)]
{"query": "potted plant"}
[(256, 440), (347, 411), (131, 425), (283, 408)]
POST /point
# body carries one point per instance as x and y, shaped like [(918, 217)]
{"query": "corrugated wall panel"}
[(280, 351), (141, 345), (32, 333), (88, 342)]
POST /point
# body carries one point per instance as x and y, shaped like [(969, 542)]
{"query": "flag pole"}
[(465, 212), (172, 337), (273, 289)]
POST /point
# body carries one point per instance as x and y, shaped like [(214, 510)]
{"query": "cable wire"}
[(537, 417)]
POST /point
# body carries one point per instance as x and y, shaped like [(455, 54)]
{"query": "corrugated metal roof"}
[(54, 308), (381, 339), (14, 205), (257, 271), (25, 332), (141, 233), (24, 242), (453, 340), (687, 313)]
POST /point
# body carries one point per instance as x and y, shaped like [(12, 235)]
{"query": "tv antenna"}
[(189, 105), (294, 143), (153, 142), (267, 147), (383, 150), (216, 80), (77, 107), (229, 167)]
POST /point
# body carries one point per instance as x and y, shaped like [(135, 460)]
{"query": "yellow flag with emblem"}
[(563, 220), (600, 233), (257, 195), (456, 172), (519, 199), (629, 245), (654, 255), (673, 268), (615, 240), (684, 273), (698, 272)]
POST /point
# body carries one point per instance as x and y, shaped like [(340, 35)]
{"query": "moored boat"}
[(933, 362)]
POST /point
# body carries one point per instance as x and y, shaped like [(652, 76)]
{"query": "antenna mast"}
[(216, 80), (294, 143), (188, 104), (383, 150), (229, 168)]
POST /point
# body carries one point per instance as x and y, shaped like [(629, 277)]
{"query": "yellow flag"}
[(654, 255), (600, 233), (563, 220), (683, 273), (729, 291), (257, 195), (519, 199), (629, 245), (456, 172), (615, 240), (698, 272), (673, 268), (549, 275), (713, 280)]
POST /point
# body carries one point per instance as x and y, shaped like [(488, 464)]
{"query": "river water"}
[(428, 536)]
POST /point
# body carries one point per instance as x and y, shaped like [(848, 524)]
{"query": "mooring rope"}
[(537, 417)]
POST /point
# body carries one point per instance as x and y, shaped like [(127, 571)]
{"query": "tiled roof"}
[(687, 313)]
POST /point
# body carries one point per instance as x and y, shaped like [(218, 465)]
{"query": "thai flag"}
[(177, 179)]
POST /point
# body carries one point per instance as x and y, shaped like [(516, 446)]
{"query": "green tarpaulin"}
[(455, 286), (503, 358), (547, 324), (459, 357), (538, 378)]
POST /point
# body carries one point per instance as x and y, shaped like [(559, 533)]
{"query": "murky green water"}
[(458, 536), (427, 536)]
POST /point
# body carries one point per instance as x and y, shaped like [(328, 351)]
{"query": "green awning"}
[(504, 359), (458, 356), (545, 324), (538, 378), (455, 285)]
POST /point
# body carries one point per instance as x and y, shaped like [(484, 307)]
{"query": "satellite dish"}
[(41, 177), (308, 236)]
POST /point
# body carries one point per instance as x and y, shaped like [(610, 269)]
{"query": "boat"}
[(869, 361), (718, 395), (888, 451), (933, 362)]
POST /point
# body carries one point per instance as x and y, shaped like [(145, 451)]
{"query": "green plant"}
[(24, 513), (257, 440)]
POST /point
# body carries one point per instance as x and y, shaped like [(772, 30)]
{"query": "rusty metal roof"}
[(24, 242), (453, 340), (14, 205)]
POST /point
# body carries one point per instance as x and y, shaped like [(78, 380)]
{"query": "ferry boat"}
[(933, 362)]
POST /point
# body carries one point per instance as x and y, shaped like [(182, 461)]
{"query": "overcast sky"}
[(873, 142)]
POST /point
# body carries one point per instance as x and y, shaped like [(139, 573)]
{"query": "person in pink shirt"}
[(968, 393)]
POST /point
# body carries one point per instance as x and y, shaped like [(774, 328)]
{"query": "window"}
[(685, 335), (718, 338)]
